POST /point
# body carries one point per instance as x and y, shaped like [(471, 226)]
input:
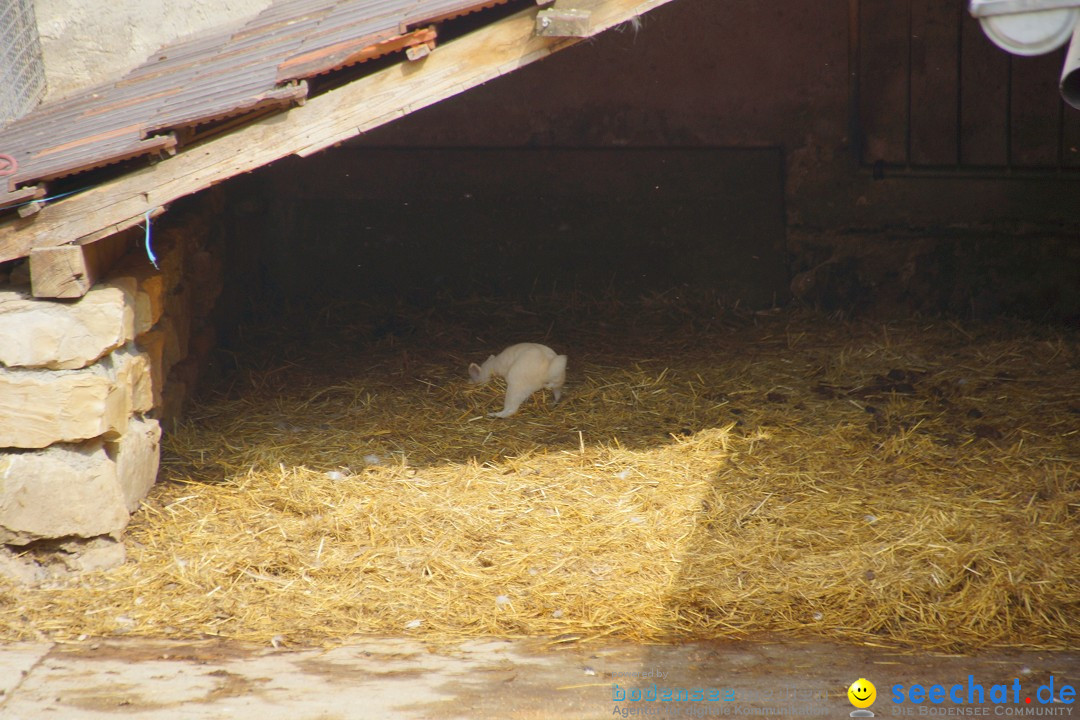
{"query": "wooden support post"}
[(69, 271)]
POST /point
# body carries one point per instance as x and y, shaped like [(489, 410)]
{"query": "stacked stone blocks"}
[(85, 387)]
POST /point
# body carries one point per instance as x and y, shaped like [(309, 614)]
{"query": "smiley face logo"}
[(862, 693)]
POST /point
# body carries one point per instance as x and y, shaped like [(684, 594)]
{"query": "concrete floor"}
[(389, 678)]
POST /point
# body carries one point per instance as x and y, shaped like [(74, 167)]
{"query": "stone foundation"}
[(86, 386)]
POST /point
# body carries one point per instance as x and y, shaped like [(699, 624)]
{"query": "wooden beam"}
[(371, 101), (69, 271)]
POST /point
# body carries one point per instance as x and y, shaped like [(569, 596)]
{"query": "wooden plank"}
[(883, 85), (935, 30), (1036, 110), (69, 271), (492, 51), (984, 98)]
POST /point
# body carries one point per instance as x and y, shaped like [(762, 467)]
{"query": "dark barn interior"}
[(721, 147), (835, 235), (815, 267)]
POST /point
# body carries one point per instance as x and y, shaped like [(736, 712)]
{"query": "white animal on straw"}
[(527, 367)]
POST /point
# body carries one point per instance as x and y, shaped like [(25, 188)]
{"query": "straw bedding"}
[(708, 474)]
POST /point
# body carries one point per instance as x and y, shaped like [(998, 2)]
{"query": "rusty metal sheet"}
[(349, 52), (250, 67), (438, 10)]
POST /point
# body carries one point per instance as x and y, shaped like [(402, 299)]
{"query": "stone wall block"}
[(42, 407), (172, 401), (133, 371), (63, 335), (178, 307), (150, 302), (172, 247), (137, 456), (175, 349), (62, 491), (150, 290), (152, 344)]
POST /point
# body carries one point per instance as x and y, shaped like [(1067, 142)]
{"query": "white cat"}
[(527, 368)]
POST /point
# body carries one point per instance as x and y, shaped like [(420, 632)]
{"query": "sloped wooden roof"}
[(255, 70), (262, 64)]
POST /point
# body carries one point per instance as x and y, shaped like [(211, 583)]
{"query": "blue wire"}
[(50, 198), (149, 250)]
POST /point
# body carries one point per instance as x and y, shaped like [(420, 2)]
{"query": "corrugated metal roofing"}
[(262, 64)]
